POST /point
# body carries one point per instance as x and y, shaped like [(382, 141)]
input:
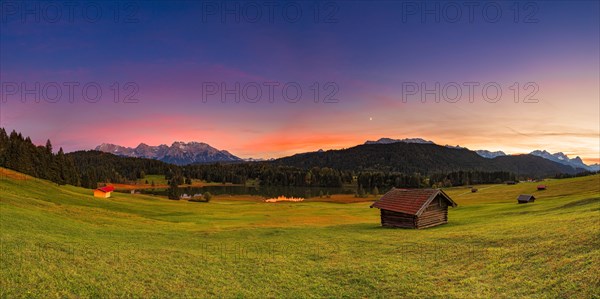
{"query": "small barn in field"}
[(414, 208), (525, 198), (104, 192), (541, 187)]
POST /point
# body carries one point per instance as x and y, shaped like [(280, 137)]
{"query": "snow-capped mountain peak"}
[(180, 153), (490, 154), (564, 159), (405, 140)]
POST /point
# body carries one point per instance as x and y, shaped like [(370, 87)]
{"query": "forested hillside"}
[(20, 154), (424, 159)]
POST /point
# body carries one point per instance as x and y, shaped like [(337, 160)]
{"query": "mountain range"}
[(182, 153), (563, 159), (556, 157), (179, 153)]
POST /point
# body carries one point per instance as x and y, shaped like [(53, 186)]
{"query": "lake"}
[(265, 191)]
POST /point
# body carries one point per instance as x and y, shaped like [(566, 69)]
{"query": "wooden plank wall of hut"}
[(432, 218), (436, 213), (396, 219)]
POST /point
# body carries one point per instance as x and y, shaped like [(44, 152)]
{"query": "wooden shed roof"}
[(106, 189), (409, 201), (525, 198)]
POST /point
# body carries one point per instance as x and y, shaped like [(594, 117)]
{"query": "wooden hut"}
[(541, 187), (525, 198), (414, 208), (104, 192)]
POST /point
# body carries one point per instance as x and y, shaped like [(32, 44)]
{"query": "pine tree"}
[(360, 192), (3, 146), (60, 162), (375, 191), (48, 147)]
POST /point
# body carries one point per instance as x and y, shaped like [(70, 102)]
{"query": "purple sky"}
[(366, 55)]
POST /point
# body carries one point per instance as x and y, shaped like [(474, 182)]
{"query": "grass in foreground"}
[(62, 242)]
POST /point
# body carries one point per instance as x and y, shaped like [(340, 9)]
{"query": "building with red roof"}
[(414, 208), (104, 192)]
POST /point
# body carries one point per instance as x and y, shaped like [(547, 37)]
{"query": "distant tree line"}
[(462, 178), (580, 174), (268, 174), (95, 166)]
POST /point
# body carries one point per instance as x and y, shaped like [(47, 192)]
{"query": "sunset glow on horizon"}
[(357, 78)]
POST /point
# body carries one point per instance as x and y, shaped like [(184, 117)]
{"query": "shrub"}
[(207, 196)]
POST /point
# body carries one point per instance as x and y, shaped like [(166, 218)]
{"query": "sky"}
[(267, 79)]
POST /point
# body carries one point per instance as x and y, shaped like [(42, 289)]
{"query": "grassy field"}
[(59, 241)]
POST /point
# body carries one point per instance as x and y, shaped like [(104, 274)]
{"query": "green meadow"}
[(60, 241)]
